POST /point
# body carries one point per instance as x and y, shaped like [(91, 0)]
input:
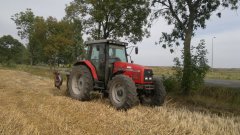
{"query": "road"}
[(223, 83)]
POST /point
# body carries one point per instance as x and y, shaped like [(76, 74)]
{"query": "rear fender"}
[(90, 67)]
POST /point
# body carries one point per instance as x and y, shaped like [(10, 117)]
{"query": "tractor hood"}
[(134, 71), (128, 66)]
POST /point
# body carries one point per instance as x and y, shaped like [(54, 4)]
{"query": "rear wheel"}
[(80, 83), (157, 97), (122, 92)]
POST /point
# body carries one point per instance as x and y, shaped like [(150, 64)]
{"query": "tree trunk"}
[(106, 35), (32, 57), (187, 65), (31, 61), (186, 80), (99, 30)]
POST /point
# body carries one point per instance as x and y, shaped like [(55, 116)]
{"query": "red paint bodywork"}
[(134, 71), (90, 66)]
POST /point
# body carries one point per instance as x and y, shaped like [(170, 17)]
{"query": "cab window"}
[(117, 52)]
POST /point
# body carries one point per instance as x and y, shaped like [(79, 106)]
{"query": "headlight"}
[(148, 75)]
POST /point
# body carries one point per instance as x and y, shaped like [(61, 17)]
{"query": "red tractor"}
[(106, 69)]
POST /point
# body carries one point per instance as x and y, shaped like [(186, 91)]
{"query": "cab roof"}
[(106, 41)]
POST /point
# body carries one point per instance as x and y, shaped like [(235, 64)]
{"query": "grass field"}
[(219, 73), (226, 74), (30, 104)]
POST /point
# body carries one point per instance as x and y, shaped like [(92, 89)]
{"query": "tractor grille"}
[(148, 75)]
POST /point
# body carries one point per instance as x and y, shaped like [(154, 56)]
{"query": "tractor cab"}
[(103, 54)]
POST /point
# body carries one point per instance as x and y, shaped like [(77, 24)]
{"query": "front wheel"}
[(157, 97), (122, 92)]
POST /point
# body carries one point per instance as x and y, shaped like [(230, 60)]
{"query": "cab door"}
[(98, 59)]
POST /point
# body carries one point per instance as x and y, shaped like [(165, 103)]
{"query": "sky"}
[(226, 45)]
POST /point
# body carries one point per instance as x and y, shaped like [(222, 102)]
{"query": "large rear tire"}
[(80, 83), (123, 92), (157, 97)]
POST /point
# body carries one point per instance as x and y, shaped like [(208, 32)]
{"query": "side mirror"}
[(136, 50)]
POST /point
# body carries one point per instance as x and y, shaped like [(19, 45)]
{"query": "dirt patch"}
[(30, 104)]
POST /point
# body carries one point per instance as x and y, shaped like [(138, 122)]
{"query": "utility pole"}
[(212, 52)]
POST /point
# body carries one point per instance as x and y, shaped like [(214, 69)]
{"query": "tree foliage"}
[(60, 41), (186, 16), (24, 22), (25, 26), (37, 39), (199, 66), (50, 38), (11, 50), (104, 19)]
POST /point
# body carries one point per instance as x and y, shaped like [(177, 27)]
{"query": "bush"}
[(171, 84), (199, 69), (10, 64), (199, 66)]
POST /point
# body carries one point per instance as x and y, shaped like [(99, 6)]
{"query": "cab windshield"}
[(118, 52)]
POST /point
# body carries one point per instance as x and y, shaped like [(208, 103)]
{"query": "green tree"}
[(11, 50), (59, 39), (104, 19), (187, 16), (24, 22), (78, 48), (37, 39), (199, 66), (49, 39)]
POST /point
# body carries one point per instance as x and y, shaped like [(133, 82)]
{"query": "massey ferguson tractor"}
[(106, 69)]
